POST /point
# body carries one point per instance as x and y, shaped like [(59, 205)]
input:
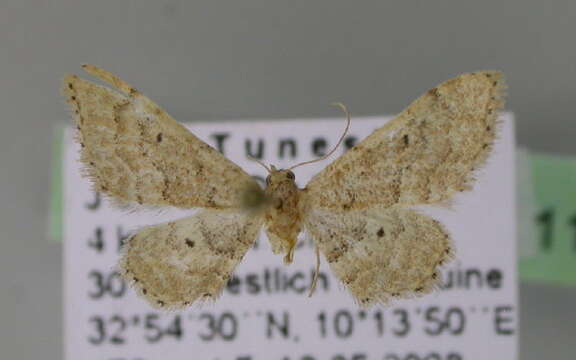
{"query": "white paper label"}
[(264, 313)]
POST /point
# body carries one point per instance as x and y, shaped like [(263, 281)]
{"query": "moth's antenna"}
[(345, 110), (261, 163)]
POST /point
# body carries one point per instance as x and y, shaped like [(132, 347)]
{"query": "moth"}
[(360, 210)]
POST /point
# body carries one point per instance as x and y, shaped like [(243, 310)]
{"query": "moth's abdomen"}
[(283, 217)]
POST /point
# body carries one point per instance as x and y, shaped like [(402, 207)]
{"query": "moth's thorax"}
[(283, 219)]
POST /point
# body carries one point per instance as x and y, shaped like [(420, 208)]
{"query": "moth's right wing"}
[(175, 264), (381, 254), (425, 155), (135, 152)]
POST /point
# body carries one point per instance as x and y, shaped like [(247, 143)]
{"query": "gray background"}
[(249, 59)]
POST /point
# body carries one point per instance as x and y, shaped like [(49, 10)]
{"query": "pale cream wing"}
[(178, 263), (423, 156), (381, 254), (136, 153)]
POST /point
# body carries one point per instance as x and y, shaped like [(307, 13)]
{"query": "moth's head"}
[(279, 177), (284, 179), (278, 182)]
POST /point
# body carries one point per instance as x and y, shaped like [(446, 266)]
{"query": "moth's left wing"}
[(134, 152), (424, 156), (175, 264), (381, 254)]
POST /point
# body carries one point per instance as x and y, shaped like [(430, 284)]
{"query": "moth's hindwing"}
[(381, 254), (178, 263)]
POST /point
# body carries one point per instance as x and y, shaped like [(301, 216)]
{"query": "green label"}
[(554, 184), (56, 201)]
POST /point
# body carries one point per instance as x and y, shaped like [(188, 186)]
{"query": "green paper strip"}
[(554, 182), (56, 200), (525, 206)]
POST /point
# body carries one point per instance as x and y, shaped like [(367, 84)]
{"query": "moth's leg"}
[(316, 273), (291, 247)]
